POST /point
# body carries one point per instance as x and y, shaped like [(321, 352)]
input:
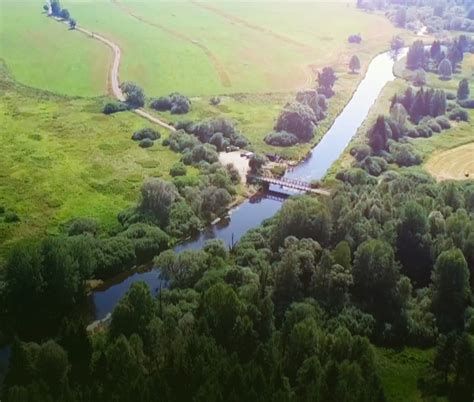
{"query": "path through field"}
[(114, 82), (453, 164)]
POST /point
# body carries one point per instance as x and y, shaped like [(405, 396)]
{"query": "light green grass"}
[(163, 44), (62, 158), (400, 371), (42, 53)]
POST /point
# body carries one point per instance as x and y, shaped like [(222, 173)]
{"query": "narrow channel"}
[(253, 212)]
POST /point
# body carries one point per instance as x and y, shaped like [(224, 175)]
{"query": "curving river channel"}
[(253, 212)]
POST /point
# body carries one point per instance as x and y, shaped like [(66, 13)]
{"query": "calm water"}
[(253, 212)]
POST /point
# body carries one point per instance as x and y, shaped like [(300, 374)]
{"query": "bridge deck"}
[(293, 184)]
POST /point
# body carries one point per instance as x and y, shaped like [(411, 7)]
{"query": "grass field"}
[(456, 163), (400, 371), (62, 158), (46, 55)]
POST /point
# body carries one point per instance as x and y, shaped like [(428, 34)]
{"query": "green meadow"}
[(62, 158), (44, 54)]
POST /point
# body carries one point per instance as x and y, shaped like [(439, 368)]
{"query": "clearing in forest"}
[(456, 163)]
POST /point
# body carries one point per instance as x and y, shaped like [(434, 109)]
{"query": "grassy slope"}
[(64, 61), (62, 158)]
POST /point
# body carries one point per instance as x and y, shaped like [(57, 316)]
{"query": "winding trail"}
[(222, 73), (113, 80)]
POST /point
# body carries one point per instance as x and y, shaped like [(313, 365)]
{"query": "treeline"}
[(287, 313), (54, 7)]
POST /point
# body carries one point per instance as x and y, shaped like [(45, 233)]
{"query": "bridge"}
[(293, 184)]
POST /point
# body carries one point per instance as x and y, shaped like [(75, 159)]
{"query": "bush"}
[(113, 256), (215, 100), (146, 143), (178, 169), (357, 38), (114, 107), (146, 133), (360, 152), (373, 165), (81, 226), (405, 155), (2, 209), (175, 103), (443, 121), (450, 96), (424, 131), (298, 119), (434, 126), (201, 152), (148, 241), (458, 114), (355, 176), (468, 103), (11, 217), (412, 132), (281, 139)]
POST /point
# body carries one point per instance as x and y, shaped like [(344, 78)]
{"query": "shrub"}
[(458, 114), (281, 139), (468, 103), (113, 256), (373, 165), (360, 152), (114, 107), (146, 143), (148, 241), (450, 96), (215, 100), (298, 119), (412, 132), (357, 38), (434, 126), (178, 169), (443, 121), (175, 103), (146, 133), (11, 217), (2, 209), (201, 152), (404, 154), (81, 226), (355, 176), (179, 141), (424, 131)]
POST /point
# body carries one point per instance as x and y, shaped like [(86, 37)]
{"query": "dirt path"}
[(224, 77), (113, 81)]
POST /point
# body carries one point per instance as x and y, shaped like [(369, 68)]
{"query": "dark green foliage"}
[(360, 152), (458, 114), (114, 107), (281, 139), (146, 132), (317, 102), (467, 103), (463, 89), (379, 134), (113, 255), (256, 162), (373, 165), (148, 241), (157, 197), (354, 64), (72, 23), (81, 226), (445, 69), (201, 152), (443, 122), (134, 95), (326, 81), (451, 290), (64, 14), (146, 143), (355, 176), (55, 7), (416, 57), (175, 103), (298, 119), (178, 169), (405, 154), (11, 217)]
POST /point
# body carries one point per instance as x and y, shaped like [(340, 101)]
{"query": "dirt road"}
[(114, 74)]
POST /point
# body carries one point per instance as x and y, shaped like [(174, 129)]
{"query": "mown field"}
[(62, 158), (228, 47), (44, 54)]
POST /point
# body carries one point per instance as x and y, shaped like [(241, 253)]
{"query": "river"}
[(253, 212)]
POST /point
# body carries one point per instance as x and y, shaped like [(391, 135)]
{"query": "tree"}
[(375, 279), (72, 25), (157, 198), (134, 95), (397, 43), (419, 77), (445, 69), (46, 8), (435, 51), (354, 63), (379, 134), (463, 89), (416, 55), (401, 17), (55, 7), (256, 162), (64, 14), (399, 115), (299, 119), (451, 290), (326, 80)]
